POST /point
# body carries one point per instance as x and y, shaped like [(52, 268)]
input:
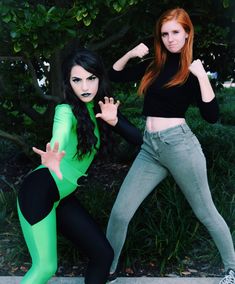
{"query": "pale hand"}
[(197, 68), (51, 158), (109, 111), (139, 51)]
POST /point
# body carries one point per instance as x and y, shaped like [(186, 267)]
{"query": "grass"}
[(164, 230)]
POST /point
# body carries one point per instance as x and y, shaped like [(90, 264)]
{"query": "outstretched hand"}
[(109, 111), (51, 158)]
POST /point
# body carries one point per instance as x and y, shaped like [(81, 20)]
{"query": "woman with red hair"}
[(170, 83)]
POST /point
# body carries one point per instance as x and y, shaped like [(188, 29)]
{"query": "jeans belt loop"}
[(184, 127)]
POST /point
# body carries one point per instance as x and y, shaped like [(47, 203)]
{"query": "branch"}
[(34, 76), (115, 36), (2, 87), (42, 65), (109, 22), (109, 40), (219, 44), (36, 85), (30, 112), (11, 58), (16, 140)]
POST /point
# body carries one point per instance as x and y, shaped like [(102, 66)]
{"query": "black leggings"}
[(78, 226), (36, 205)]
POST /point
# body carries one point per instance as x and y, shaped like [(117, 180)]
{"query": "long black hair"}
[(92, 63)]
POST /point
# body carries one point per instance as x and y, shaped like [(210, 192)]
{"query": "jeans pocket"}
[(173, 139)]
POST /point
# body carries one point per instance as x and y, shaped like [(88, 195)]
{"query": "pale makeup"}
[(84, 84)]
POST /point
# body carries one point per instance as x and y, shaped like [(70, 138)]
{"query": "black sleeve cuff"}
[(210, 111), (128, 131)]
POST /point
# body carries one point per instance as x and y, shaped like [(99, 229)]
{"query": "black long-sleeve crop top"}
[(168, 102)]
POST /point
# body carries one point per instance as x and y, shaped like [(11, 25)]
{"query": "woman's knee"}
[(104, 250), (208, 215), (48, 269), (120, 216)]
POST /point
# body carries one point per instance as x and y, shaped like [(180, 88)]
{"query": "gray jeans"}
[(176, 151)]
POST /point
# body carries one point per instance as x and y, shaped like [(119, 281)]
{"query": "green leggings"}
[(42, 244)]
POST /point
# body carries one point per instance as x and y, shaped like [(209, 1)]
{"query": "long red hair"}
[(182, 17)]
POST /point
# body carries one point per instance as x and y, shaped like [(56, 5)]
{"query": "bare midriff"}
[(154, 124)]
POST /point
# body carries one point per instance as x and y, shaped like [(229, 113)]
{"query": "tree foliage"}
[(35, 36)]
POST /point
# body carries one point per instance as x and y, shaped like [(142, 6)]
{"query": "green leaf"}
[(40, 22), (226, 3), (87, 21), (7, 18), (79, 17), (122, 3), (41, 9), (14, 34), (35, 45), (17, 47), (51, 10), (131, 2), (4, 10), (93, 16), (71, 32), (26, 4), (117, 7)]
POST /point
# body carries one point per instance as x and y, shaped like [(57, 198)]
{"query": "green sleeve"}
[(62, 126)]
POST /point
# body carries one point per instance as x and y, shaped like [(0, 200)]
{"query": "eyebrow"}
[(76, 77), (174, 30)]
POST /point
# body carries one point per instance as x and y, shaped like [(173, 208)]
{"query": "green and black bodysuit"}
[(46, 203)]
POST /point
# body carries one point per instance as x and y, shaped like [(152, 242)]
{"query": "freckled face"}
[(84, 84), (173, 36)]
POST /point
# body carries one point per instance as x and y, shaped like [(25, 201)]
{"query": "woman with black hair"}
[(46, 200)]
